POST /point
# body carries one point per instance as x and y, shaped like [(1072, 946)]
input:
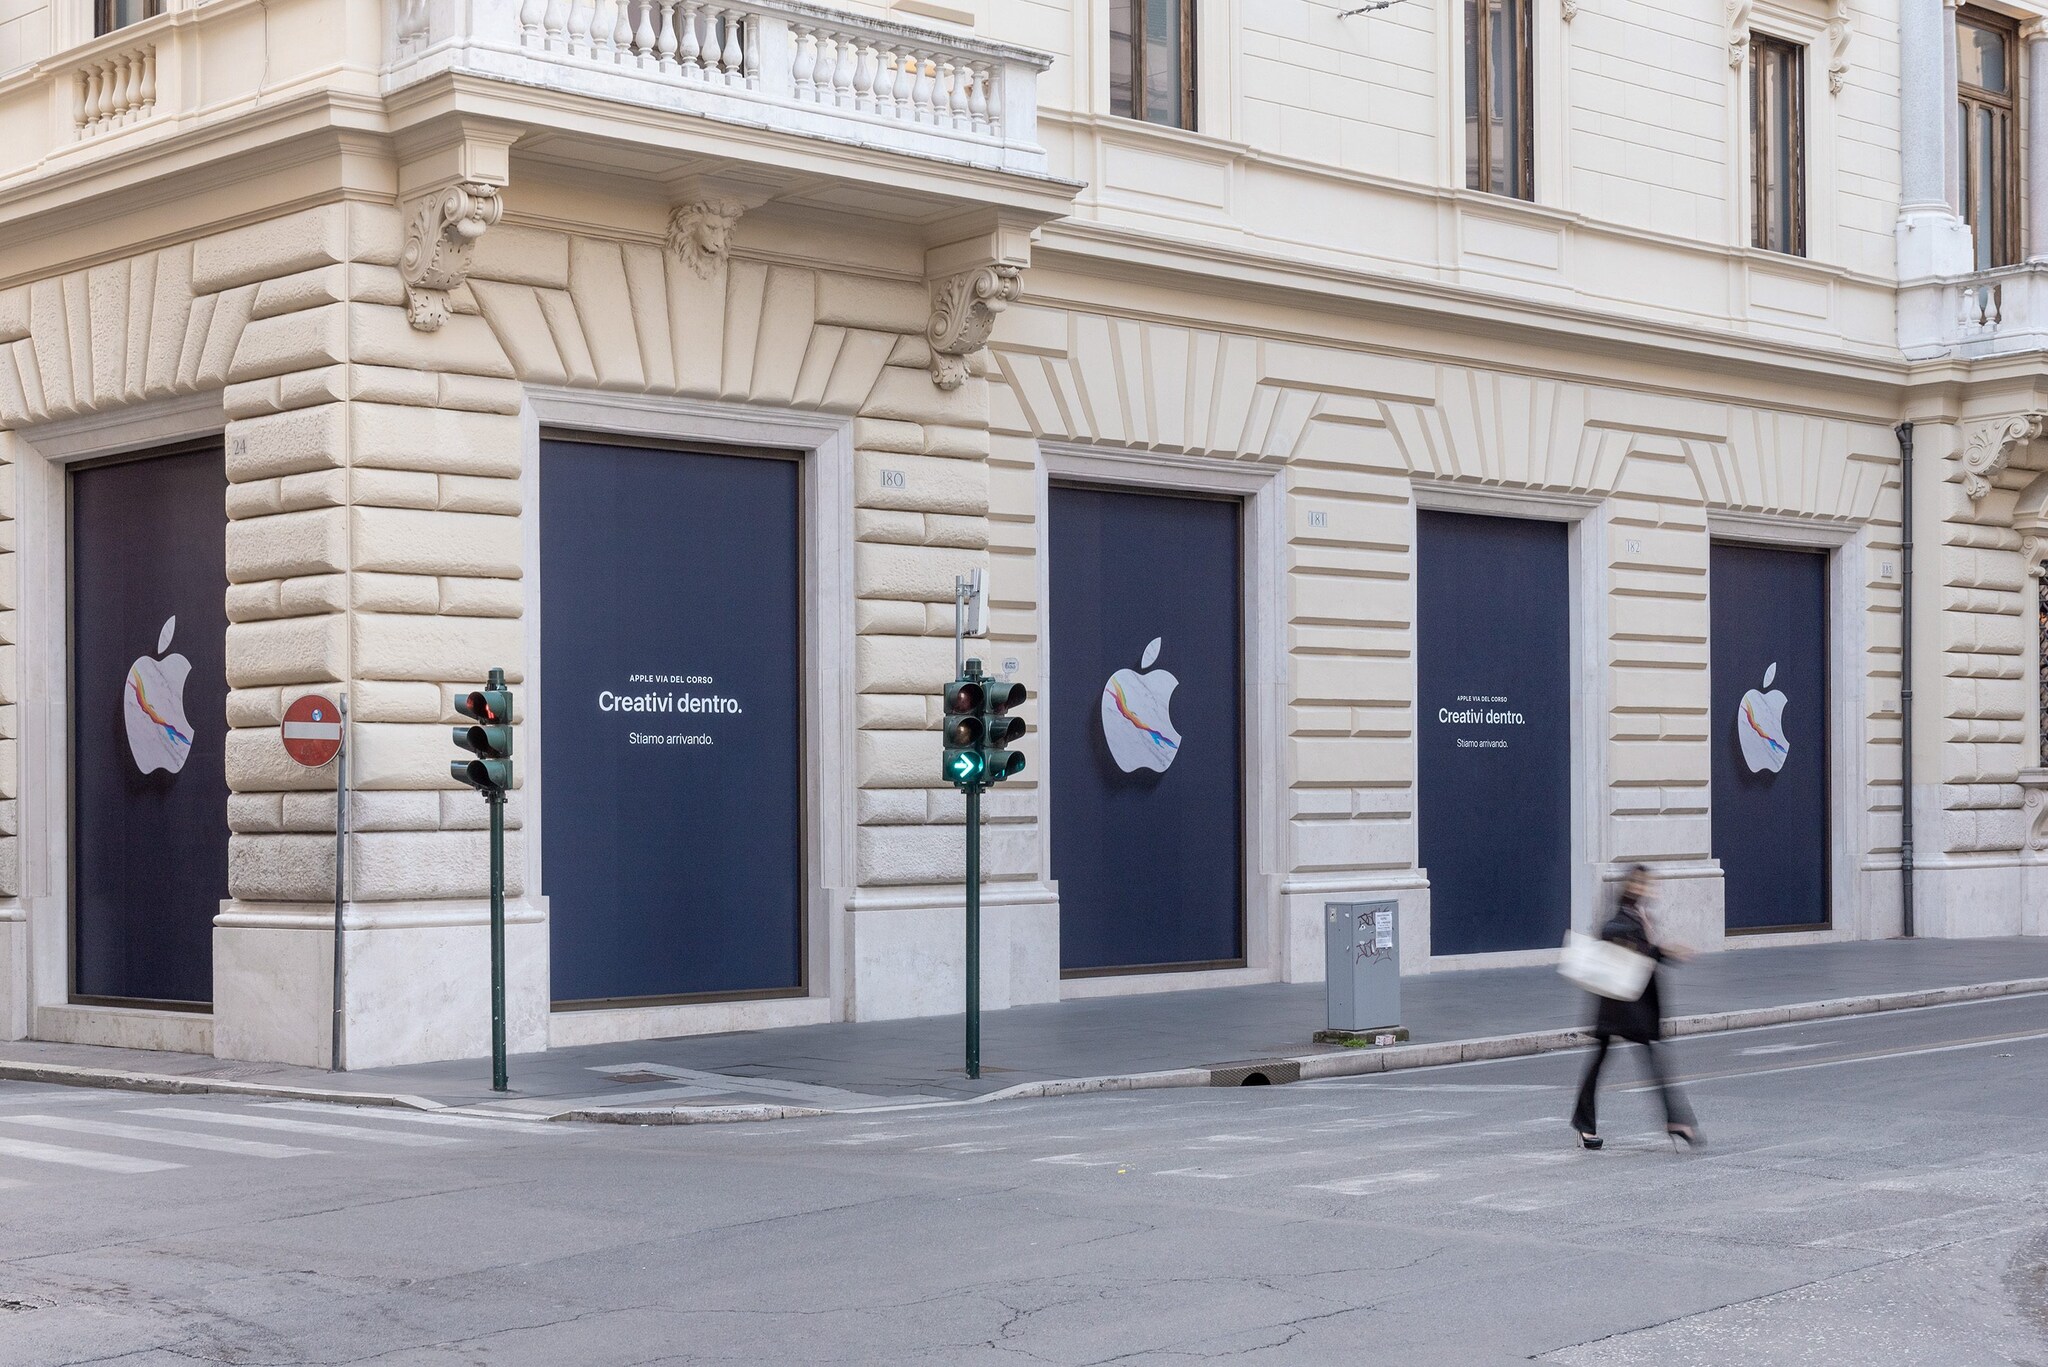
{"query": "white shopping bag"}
[(1605, 968)]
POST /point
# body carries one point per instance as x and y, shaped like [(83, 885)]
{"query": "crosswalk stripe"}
[(407, 1117), (177, 1139), (316, 1127), (79, 1158)]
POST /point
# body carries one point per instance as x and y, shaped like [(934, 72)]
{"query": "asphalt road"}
[(1874, 1194)]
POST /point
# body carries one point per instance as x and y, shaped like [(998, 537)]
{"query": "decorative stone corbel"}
[(1738, 32), (700, 233), (1569, 11), (441, 230), (964, 309), (1988, 448), (2032, 784), (1838, 45)]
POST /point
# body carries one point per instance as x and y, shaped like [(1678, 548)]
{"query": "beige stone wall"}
[(1356, 429), (1985, 631), (368, 473)]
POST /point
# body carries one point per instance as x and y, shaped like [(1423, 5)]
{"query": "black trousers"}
[(1584, 1118)]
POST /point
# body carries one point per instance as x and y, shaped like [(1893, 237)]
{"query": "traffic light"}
[(978, 730), (961, 732), (1000, 730), (488, 737)]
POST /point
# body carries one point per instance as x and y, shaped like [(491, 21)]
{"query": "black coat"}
[(1641, 1020)]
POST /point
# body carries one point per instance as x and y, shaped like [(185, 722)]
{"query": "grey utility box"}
[(1362, 945)]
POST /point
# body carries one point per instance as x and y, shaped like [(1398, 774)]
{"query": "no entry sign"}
[(312, 730)]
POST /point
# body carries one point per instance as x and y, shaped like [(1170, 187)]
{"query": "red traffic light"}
[(964, 696)]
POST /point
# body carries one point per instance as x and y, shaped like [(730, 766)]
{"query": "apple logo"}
[(159, 736), (1760, 726), (1136, 716)]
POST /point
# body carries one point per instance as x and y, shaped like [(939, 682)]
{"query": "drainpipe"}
[(1904, 432)]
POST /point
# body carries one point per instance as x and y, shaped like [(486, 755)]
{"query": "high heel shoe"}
[(1590, 1141), (1689, 1133)]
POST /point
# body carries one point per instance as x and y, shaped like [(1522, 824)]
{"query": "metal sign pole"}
[(960, 590), (334, 1056)]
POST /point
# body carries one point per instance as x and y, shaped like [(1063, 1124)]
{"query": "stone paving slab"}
[(1160, 1039)]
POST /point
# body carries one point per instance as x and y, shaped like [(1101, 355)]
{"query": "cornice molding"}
[(1084, 246)]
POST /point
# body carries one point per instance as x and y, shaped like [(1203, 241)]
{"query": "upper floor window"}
[(1500, 143), (1777, 134), (1152, 61), (1987, 86), (109, 15)]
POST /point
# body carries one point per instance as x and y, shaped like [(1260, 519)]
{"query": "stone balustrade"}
[(114, 90), (787, 64), (1987, 313)]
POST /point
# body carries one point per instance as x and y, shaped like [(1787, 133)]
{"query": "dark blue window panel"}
[(1770, 608), (671, 869), (1493, 627), (149, 788), (1149, 861)]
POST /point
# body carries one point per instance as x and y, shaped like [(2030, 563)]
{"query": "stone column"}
[(1932, 238), (2035, 35), (1951, 113)]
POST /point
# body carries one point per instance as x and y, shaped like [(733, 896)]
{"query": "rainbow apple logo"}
[(1137, 716), (1760, 726), (153, 705)]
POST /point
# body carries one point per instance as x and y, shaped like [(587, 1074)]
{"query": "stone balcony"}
[(815, 107), (1999, 312), (777, 65)]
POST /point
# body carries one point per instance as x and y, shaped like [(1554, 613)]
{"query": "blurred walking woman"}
[(1640, 1021)]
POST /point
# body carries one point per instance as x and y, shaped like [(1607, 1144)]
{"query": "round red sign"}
[(312, 730)]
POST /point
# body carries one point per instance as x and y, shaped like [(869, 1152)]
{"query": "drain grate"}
[(1257, 1074), (636, 1078)]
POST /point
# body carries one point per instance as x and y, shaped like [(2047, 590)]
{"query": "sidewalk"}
[(1163, 1039)]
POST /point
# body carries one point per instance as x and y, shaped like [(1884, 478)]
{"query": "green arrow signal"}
[(966, 767)]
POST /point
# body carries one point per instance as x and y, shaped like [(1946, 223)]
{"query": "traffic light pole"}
[(978, 732), (974, 932), (496, 800)]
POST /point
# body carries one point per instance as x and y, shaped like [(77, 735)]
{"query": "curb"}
[(169, 1084), (1312, 1067), (1397, 1057)]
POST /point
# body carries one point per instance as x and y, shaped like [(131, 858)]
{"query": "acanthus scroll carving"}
[(440, 238), (1738, 32), (964, 309), (1838, 45), (700, 234), (1989, 446)]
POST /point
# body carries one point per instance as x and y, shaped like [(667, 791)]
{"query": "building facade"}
[(1435, 453)]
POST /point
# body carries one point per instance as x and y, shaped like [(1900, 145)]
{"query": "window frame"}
[(1479, 63), (1189, 84), (2008, 105), (1760, 122), (103, 16)]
